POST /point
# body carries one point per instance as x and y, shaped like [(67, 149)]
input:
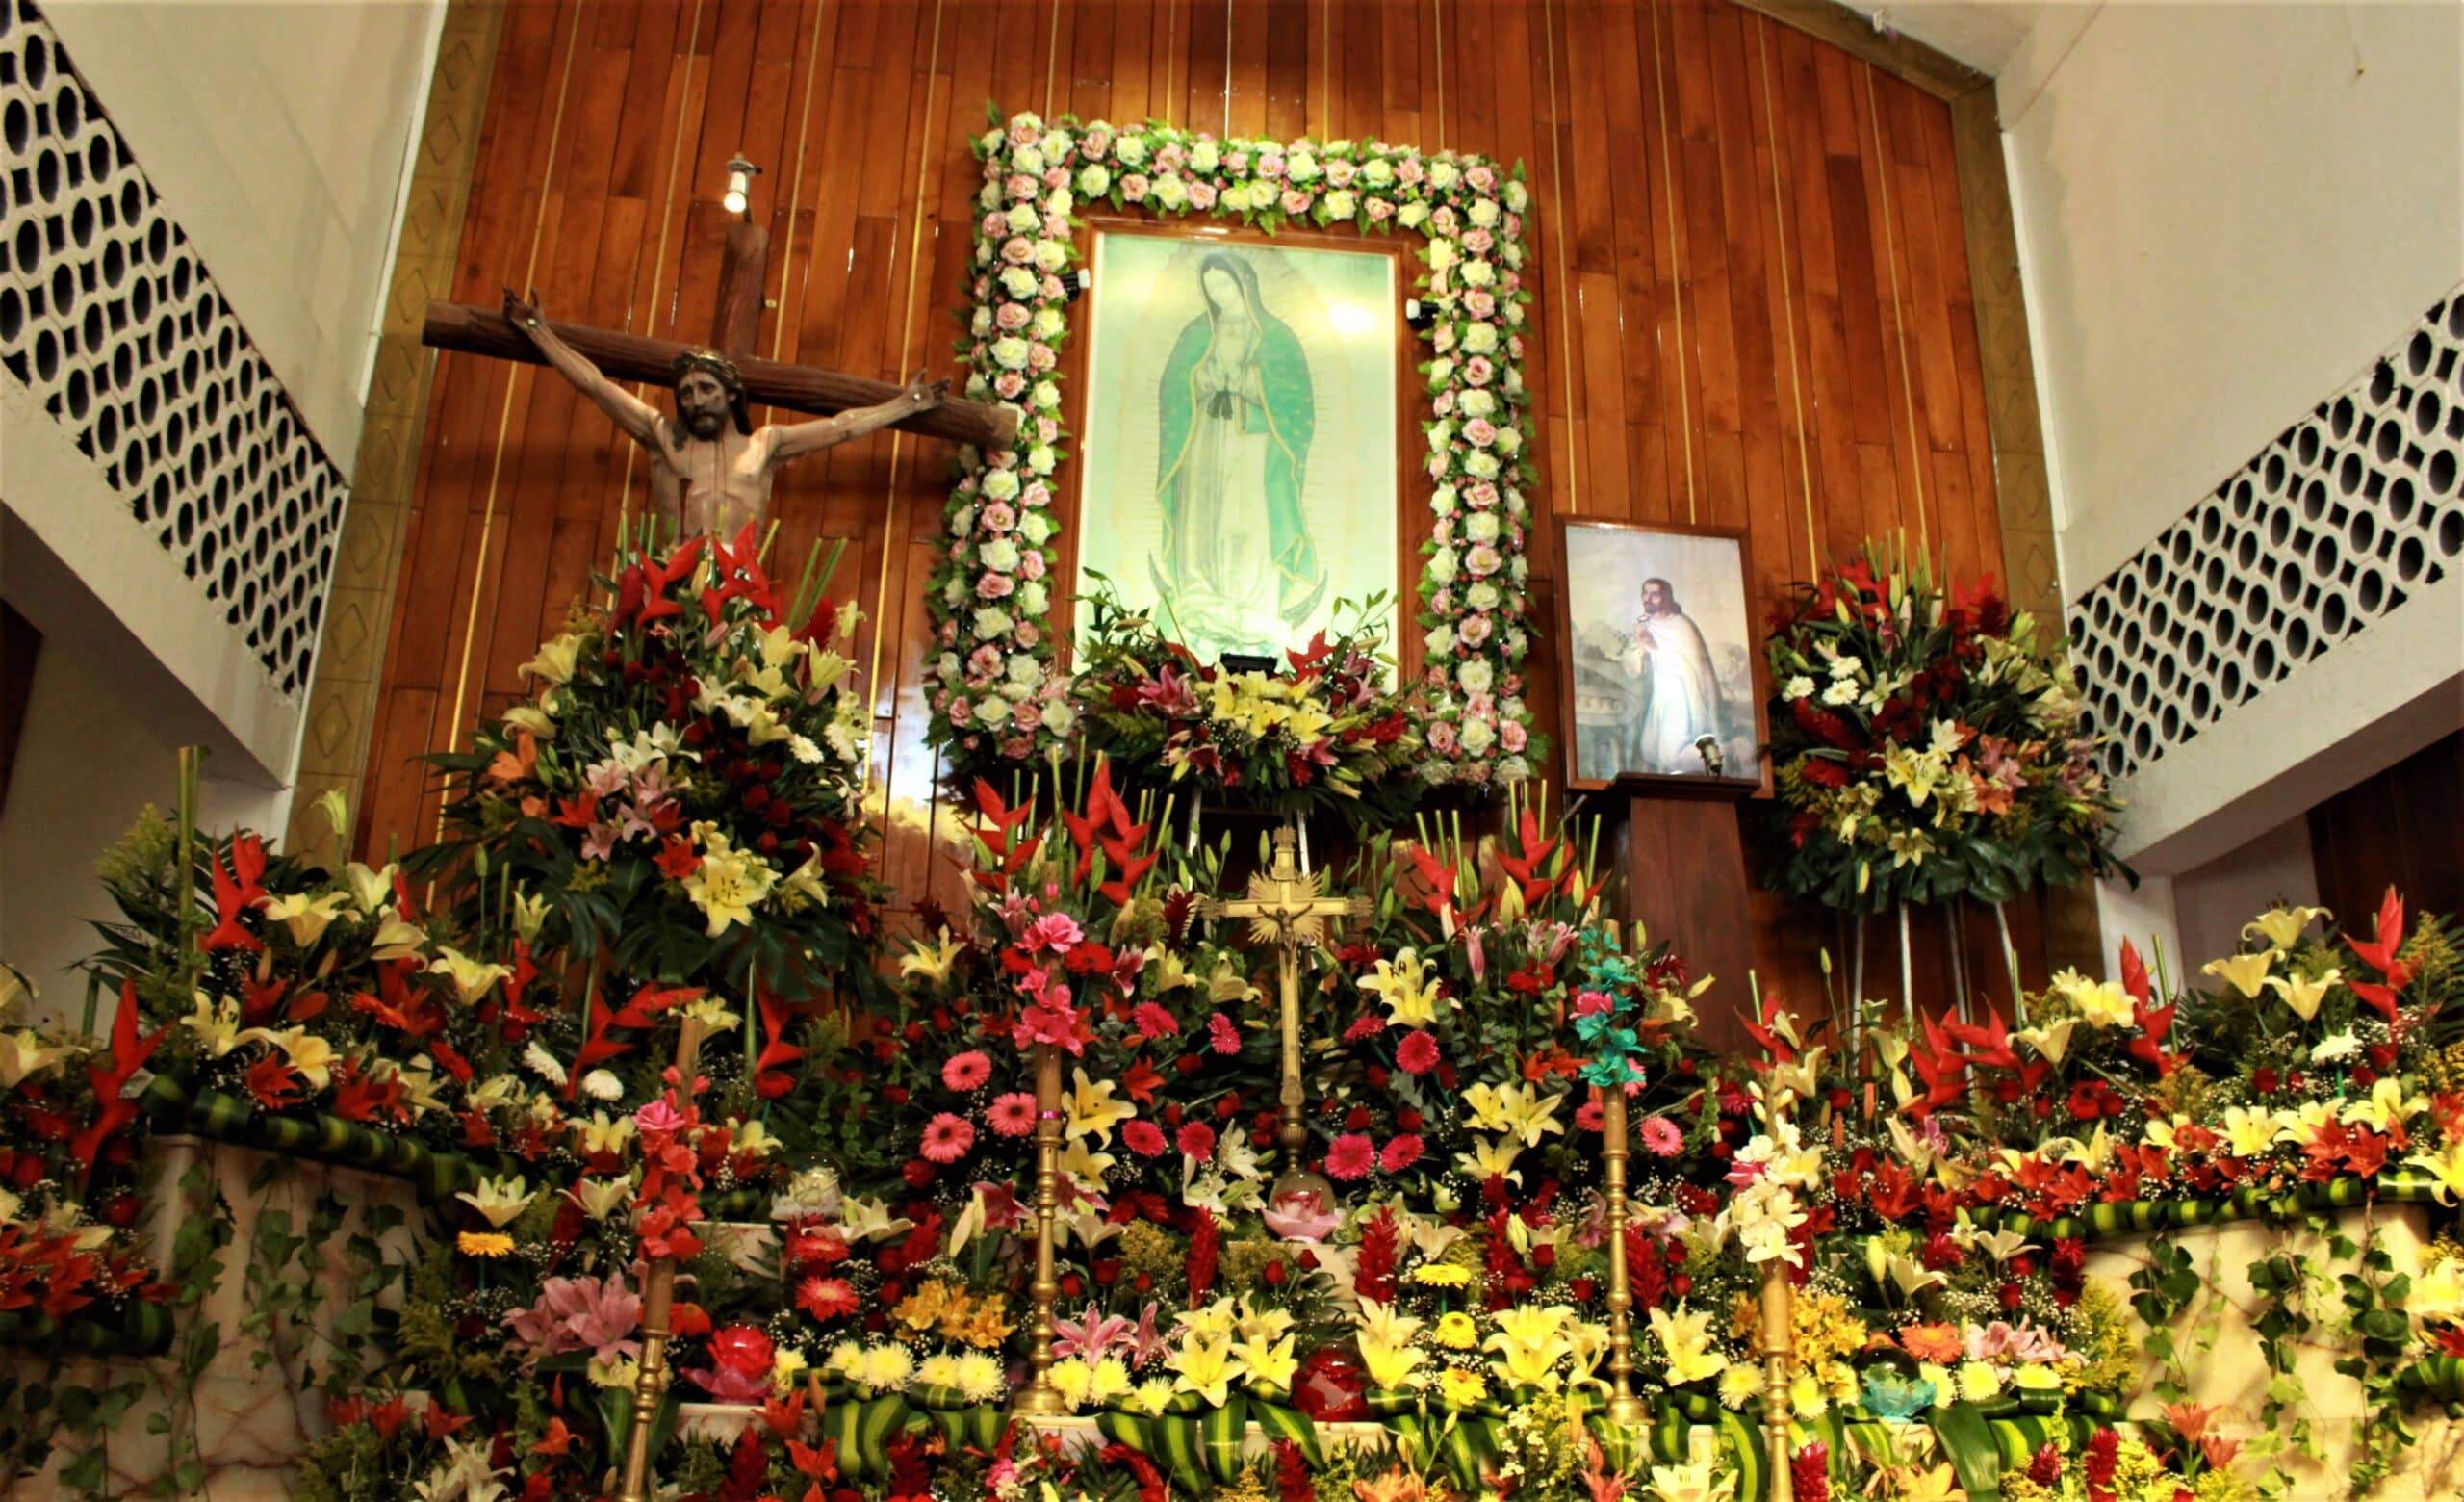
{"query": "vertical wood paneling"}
[(1752, 297)]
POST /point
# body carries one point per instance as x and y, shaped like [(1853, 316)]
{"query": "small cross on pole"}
[(1289, 908)]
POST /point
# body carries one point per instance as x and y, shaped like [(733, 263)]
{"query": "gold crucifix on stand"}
[(1287, 908)]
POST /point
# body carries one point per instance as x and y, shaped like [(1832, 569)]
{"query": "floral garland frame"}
[(990, 593)]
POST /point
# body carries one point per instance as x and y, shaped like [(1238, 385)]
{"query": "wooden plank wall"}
[(1753, 295)]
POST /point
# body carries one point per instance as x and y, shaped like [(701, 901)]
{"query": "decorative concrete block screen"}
[(2348, 514), (109, 316)]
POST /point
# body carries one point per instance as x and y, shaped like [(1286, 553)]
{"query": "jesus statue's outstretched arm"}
[(639, 420), (794, 440)]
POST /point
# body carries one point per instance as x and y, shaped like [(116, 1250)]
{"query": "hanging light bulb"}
[(739, 184)]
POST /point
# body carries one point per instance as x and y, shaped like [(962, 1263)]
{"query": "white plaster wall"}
[(276, 132), (93, 754), (2227, 213), (278, 136)]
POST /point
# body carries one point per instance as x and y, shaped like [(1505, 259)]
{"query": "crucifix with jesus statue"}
[(711, 468)]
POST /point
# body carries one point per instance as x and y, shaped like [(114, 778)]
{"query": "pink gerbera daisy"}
[(1417, 1053), (947, 1137), (1401, 1153), (1350, 1156), (965, 1072), (1662, 1136), (1144, 1138), (1221, 1032), (1012, 1115)]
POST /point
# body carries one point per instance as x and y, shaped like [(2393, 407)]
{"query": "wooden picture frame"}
[(1600, 557)]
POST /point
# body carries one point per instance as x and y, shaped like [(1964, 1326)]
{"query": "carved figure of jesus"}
[(711, 468)]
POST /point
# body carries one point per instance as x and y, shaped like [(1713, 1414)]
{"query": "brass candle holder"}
[(658, 1296), (1624, 1407), (1039, 1398)]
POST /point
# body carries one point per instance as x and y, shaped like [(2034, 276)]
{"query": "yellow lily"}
[(1489, 1160), (1092, 1108), (1698, 1481), (471, 978), (217, 1026), (556, 660), (2050, 1041), (2304, 996), (1529, 1340), (24, 1055), (311, 1055), (1686, 1337), (1227, 986), (2243, 972), (1206, 1367), (1403, 984), (2382, 1109), (2447, 1166), (1514, 1108), (861, 1220), (933, 962), (306, 917), (602, 1133), (600, 1198), (2101, 1003), (2249, 1131), (1271, 1365), (1165, 971), (1937, 1485), (1386, 1345), (499, 1199), (395, 939), (2281, 926)]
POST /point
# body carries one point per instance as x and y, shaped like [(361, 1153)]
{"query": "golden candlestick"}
[(1039, 1398), (658, 1294), (1777, 1339), (1624, 1407), (1779, 1360)]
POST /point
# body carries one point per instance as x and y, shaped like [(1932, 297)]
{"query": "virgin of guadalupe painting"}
[(1240, 436)]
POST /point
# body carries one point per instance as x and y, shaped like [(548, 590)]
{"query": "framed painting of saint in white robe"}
[(1662, 660), (1240, 434)]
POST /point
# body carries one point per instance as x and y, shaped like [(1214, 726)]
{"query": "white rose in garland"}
[(988, 599)]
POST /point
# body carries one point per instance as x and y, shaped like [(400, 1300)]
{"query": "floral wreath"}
[(996, 694)]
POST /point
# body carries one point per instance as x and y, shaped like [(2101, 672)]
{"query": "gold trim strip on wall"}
[(659, 252), (1898, 306), (505, 417), (1557, 228), (1787, 293), (891, 546), (1676, 256)]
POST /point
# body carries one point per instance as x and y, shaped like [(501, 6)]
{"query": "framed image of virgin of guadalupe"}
[(1240, 433)]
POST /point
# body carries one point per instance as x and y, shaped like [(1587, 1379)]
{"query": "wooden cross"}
[(1289, 908), (742, 270)]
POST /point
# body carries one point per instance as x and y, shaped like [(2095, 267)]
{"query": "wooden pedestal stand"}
[(1686, 883)]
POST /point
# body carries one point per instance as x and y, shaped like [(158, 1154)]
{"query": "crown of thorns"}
[(718, 365)]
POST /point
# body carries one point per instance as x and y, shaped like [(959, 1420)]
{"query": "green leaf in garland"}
[(1974, 1452)]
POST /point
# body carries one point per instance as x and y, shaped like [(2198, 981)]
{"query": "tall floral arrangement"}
[(999, 694), (1926, 747), (678, 799)]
